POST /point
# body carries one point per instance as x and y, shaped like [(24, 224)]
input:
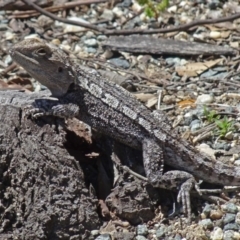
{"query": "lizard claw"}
[(184, 195), (30, 110)]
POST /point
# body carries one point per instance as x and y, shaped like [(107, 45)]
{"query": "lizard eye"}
[(41, 51)]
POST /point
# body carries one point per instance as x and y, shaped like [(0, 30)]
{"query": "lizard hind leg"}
[(182, 181), (153, 160)]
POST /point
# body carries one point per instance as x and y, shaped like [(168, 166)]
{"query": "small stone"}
[(214, 4), (142, 230), (161, 232), (152, 231), (204, 99), (126, 3), (206, 223), (217, 234), (169, 99), (7, 60), (104, 237), (120, 63), (229, 218), (237, 163), (173, 61), (236, 235), (178, 237), (220, 145), (95, 232), (230, 208), (107, 54), (209, 73), (207, 209), (228, 235), (140, 237), (172, 9), (216, 214), (229, 135), (101, 38), (195, 125), (231, 226), (136, 8), (72, 28), (92, 42), (215, 34), (156, 226), (117, 11), (107, 14), (237, 219), (91, 50)]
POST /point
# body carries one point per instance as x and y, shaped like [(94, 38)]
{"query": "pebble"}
[(207, 209), (195, 125), (107, 14), (206, 223), (161, 232), (228, 235), (91, 42), (142, 230), (125, 3), (140, 238), (231, 226), (178, 237), (73, 28), (104, 237), (7, 60), (3, 27), (229, 135), (169, 99), (172, 9), (90, 50), (118, 12), (221, 145), (209, 73), (9, 35), (216, 214), (94, 232), (214, 34), (119, 63), (173, 61), (237, 219), (213, 4), (217, 234), (237, 163), (229, 218), (101, 38), (204, 99), (230, 208)]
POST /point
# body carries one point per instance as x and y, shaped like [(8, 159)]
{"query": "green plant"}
[(153, 9), (210, 115), (224, 126)]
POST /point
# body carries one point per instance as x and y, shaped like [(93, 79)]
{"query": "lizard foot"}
[(60, 110), (30, 110), (184, 195), (181, 180)]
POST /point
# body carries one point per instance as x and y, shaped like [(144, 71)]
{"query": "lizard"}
[(115, 112)]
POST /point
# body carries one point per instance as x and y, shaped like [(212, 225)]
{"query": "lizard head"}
[(46, 63)]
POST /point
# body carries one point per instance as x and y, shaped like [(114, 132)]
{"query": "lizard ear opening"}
[(60, 69)]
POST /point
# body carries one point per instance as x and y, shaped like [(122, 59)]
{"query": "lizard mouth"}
[(22, 59)]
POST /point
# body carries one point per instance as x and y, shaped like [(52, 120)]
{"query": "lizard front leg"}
[(46, 107), (183, 181)]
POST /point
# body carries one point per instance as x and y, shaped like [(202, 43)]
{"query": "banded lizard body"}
[(113, 111)]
